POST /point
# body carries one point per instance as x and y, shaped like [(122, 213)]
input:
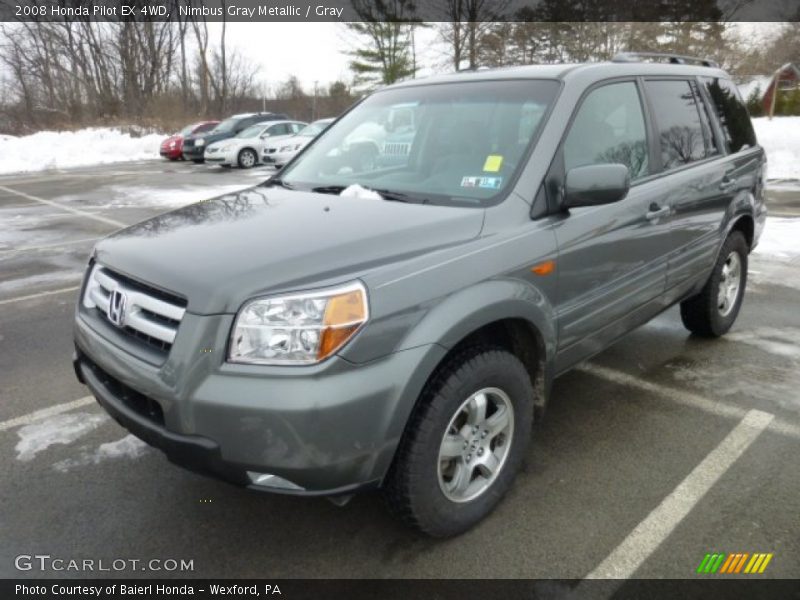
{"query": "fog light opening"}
[(267, 480)]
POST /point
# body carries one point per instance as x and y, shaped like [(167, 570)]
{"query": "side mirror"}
[(594, 185), (265, 135)]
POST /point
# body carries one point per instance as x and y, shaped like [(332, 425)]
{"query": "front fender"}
[(469, 309)]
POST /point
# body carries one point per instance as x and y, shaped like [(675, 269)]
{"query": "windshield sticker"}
[(489, 183), (493, 163)]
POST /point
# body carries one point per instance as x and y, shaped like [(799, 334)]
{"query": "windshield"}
[(459, 143), (187, 130), (314, 128), (226, 126), (251, 132)]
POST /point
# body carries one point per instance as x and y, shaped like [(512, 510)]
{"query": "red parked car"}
[(172, 147)]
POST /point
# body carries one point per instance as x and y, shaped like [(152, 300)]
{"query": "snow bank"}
[(781, 238), (56, 150), (780, 137)]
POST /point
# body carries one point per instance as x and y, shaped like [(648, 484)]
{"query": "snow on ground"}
[(126, 447), (781, 238), (57, 150), (776, 259), (58, 429), (780, 137)]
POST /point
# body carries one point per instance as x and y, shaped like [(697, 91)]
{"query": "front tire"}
[(247, 159), (712, 312), (464, 443)]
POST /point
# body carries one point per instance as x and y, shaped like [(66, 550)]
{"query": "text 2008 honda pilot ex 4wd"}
[(403, 334)]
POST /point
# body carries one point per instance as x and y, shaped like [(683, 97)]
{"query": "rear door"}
[(612, 259), (696, 174)]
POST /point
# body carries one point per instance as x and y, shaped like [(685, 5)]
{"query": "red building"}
[(786, 78)]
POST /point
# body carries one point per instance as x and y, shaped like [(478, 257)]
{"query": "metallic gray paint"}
[(433, 274)]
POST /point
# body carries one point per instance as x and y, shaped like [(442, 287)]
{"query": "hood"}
[(221, 252), (208, 137), (172, 138)]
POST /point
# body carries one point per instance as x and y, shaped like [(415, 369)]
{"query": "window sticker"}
[(493, 163), (488, 183)]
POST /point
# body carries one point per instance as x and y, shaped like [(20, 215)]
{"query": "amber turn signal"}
[(344, 316)]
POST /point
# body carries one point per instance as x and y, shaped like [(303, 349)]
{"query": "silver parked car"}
[(245, 148), (280, 152)]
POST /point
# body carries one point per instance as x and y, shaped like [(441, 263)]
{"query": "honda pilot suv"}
[(352, 324)]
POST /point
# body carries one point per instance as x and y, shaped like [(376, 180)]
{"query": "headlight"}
[(199, 142), (285, 148), (298, 329)]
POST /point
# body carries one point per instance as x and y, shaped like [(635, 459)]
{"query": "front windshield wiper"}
[(391, 195), (329, 189), (279, 182)]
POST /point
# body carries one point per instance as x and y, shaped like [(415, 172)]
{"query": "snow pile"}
[(780, 137), (56, 150), (780, 239)]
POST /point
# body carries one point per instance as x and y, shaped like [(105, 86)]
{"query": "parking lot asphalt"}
[(659, 450)]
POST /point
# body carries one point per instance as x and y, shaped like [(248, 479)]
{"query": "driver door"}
[(612, 260)]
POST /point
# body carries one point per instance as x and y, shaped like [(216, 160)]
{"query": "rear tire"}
[(712, 312), (198, 161), (456, 459)]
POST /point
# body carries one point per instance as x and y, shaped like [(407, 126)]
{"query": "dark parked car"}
[(172, 147), (194, 146), (352, 325)]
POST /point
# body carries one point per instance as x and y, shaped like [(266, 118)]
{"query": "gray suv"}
[(354, 324)]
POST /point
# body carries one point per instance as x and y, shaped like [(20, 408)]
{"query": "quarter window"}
[(681, 136), (733, 117), (609, 128)]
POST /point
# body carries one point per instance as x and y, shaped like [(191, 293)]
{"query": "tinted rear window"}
[(682, 139), (732, 113)]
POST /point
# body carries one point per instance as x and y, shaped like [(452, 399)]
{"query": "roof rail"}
[(675, 59)]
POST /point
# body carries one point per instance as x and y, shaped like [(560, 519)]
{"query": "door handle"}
[(727, 183), (656, 212)]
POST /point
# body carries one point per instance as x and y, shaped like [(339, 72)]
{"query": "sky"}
[(311, 51)]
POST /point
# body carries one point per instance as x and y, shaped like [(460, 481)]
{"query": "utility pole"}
[(776, 85), (314, 104)]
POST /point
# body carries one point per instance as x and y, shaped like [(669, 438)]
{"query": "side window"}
[(277, 130), (712, 147), (609, 128), (297, 127), (732, 112), (680, 132)]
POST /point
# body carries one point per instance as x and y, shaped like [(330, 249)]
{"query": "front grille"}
[(136, 309), (138, 403), (396, 149)]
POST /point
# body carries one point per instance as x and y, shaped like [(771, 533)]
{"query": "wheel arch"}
[(509, 314)]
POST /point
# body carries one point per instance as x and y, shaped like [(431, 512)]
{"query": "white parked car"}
[(279, 152), (244, 149)]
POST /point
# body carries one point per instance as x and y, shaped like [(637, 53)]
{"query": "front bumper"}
[(221, 157), (326, 429), (194, 153), (277, 158)]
